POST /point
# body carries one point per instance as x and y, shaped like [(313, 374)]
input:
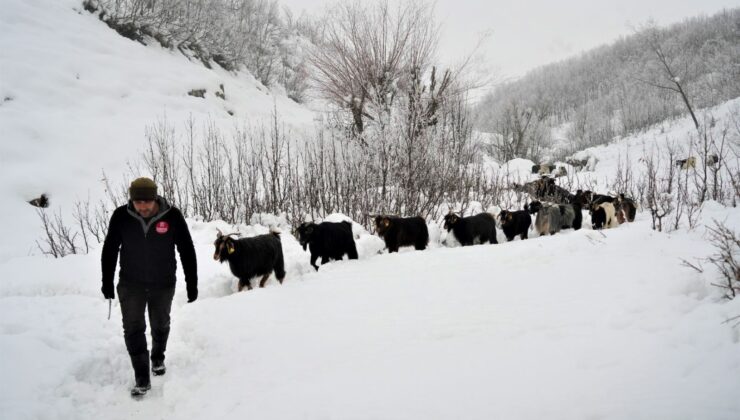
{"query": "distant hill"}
[(612, 90)]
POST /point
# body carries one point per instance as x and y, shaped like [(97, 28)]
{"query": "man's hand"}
[(192, 294), (108, 290)]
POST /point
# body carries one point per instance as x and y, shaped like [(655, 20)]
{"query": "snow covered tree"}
[(671, 71), (367, 54)]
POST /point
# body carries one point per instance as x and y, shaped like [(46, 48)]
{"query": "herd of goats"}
[(262, 255)]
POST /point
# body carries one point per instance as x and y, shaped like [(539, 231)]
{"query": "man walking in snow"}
[(146, 231)]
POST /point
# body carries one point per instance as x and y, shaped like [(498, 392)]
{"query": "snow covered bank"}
[(578, 325)]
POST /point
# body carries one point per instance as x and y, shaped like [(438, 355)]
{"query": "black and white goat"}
[(603, 216), (251, 257)]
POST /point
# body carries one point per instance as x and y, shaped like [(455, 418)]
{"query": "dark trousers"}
[(135, 300)]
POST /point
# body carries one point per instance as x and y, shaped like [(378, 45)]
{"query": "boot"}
[(158, 368), (159, 345), (140, 363)]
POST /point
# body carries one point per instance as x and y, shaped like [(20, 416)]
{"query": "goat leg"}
[(243, 283), (264, 279), (314, 257)]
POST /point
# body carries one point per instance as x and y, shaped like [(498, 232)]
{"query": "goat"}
[(515, 223), (578, 213), (548, 218), (466, 229), (328, 241), (687, 163), (400, 231), (545, 168), (567, 216), (603, 216), (251, 257), (577, 164), (600, 198), (625, 209), (545, 189)]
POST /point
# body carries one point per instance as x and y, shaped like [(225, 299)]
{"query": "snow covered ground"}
[(580, 325)]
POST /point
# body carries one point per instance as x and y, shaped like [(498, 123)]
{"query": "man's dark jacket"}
[(148, 248)]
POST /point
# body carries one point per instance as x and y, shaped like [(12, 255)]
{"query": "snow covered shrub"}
[(62, 238), (658, 189), (727, 257), (59, 239), (264, 169)]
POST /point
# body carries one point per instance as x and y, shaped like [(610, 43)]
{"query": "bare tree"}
[(520, 131), (673, 75), (367, 53)]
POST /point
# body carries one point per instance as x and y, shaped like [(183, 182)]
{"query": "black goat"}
[(515, 223), (328, 241), (251, 257), (581, 197), (578, 212), (600, 198), (402, 231), (466, 229), (587, 198)]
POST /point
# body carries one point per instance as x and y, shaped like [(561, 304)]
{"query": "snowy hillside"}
[(77, 98), (676, 135), (580, 325)]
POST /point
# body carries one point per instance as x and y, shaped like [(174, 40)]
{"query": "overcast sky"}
[(527, 34)]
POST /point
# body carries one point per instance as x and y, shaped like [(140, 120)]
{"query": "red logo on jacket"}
[(162, 227)]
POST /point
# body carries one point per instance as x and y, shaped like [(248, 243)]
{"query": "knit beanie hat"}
[(143, 189)]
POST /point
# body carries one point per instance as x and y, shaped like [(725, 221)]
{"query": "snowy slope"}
[(76, 98), (579, 325), (678, 134)]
